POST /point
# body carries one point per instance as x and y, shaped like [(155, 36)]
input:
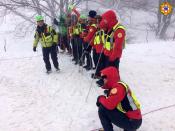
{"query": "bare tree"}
[(27, 9), (44, 7)]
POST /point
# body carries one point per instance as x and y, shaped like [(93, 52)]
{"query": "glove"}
[(106, 92), (34, 49), (55, 21), (98, 102), (100, 82)]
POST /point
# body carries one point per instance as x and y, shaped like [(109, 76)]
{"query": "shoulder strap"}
[(94, 25), (124, 84), (111, 33)]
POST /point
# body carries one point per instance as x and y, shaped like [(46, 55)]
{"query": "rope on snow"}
[(159, 109)]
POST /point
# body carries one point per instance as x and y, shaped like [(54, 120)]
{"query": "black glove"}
[(100, 82), (34, 49), (106, 92), (55, 21), (98, 103)]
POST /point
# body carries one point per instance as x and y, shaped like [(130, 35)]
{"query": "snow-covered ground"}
[(30, 100)]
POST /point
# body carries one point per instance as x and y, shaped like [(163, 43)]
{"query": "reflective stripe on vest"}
[(109, 38), (94, 25), (99, 37), (80, 28), (134, 103)]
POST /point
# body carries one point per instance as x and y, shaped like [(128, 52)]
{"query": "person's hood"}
[(109, 18), (103, 26), (112, 75)]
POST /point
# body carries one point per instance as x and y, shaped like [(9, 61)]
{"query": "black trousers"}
[(66, 42), (53, 51), (95, 57), (87, 54), (114, 63), (107, 117), (100, 63), (75, 42), (80, 49)]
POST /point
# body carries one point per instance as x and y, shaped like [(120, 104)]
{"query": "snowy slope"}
[(30, 100)]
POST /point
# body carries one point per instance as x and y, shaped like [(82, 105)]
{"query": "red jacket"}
[(99, 48), (117, 93), (119, 38), (90, 35), (109, 20)]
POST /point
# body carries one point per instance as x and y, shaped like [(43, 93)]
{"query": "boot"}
[(76, 62), (48, 71), (57, 69), (85, 66), (73, 59), (80, 63), (88, 68)]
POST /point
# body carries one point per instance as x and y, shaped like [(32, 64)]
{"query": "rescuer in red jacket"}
[(120, 107), (115, 39), (89, 39), (98, 56)]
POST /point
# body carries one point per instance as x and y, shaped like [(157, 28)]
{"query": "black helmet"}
[(92, 13)]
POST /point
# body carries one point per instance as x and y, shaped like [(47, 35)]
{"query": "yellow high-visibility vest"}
[(109, 38), (94, 25), (134, 103), (46, 39), (76, 30), (99, 37)]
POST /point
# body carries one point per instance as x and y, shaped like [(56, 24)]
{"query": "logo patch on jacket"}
[(119, 35), (114, 91), (91, 30)]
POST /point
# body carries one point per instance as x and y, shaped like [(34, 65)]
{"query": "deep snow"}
[(33, 101)]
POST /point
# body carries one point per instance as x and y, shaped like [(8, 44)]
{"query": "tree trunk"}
[(159, 19), (165, 26)]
